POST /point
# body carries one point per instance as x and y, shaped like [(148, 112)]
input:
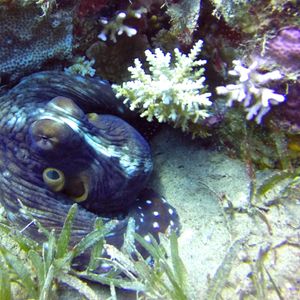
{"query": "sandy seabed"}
[(231, 247)]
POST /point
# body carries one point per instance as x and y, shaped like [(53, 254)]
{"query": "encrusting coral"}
[(252, 90), (29, 40), (173, 93)]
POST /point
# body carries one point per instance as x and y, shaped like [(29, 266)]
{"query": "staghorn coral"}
[(116, 26), (252, 90), (170, 93), (28, 40)]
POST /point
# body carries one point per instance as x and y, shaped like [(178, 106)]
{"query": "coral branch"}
[(251, 90), (173, 93)]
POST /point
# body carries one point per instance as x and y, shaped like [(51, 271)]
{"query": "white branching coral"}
[(116, 26), (173, 93), (251, 90)]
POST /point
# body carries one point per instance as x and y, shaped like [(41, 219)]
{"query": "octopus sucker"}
[(65, 139)]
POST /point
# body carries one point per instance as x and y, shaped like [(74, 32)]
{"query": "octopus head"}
[(56, 131)]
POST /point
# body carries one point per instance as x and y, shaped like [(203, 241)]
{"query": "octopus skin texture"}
[(63, 140)]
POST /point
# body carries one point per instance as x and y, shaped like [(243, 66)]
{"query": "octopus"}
[(64, 140)]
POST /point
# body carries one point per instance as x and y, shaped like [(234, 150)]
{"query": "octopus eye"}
[(50, 135), (67, 105), (75, 188), (54, 179)]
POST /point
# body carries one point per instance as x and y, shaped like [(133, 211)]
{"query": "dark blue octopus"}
[(56, 149)]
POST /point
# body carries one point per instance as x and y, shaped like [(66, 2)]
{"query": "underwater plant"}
[(251, 89), (171, 92), (51, 263)]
